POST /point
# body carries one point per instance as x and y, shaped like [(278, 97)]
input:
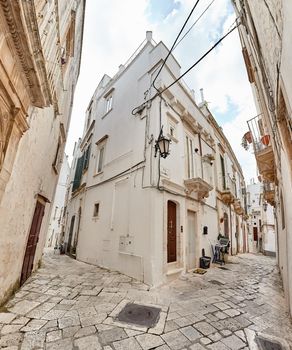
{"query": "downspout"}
[(230, 228), (158, 181)]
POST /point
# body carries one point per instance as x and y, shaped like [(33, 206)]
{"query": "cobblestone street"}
[(72, 305)]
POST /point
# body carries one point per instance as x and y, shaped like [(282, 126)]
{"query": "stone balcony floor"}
[(67, 304)]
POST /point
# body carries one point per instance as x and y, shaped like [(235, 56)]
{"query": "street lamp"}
[(162, 145)]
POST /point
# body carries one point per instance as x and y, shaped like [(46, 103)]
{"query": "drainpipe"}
[(230, 229)]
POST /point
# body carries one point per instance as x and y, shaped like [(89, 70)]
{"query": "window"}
[(190, 159), (89, 111), (100, 159), (282, 212), (70, 37), (78, 173), (223, 172), (55, 213), (86, 158), (100, 154), (58, 157), (171, 130), (172, 127), (96, 210), (108, 103)]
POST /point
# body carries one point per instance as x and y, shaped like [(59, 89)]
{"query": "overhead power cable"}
[(196, 21), (142, 106), (199, 60), (173, 45)]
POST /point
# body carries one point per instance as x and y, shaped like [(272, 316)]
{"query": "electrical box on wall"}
[(205, 230), (126, 244)]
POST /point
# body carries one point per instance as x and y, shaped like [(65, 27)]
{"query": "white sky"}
[(114, 29)]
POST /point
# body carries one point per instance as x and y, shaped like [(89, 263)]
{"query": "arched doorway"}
[(171, 232)]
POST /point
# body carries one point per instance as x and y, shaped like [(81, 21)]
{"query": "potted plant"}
[(265, 140), (248, 137), (244, 144)]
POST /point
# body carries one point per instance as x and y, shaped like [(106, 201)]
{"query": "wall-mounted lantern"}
[(265, 206), (162, 145)]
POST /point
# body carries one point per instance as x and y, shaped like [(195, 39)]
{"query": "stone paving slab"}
[(71, 305)]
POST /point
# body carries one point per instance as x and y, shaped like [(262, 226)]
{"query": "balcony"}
[(269, 193), (262, 148), (228, 190), (200, 178), (198, 185)]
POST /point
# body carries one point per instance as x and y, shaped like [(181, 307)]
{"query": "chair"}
[(218, 254)]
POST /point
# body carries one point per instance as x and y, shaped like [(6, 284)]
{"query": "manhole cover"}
[(266, 344), (139, 314)]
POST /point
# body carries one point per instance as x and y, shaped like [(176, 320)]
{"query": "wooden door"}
[(255, 234), (32, 242), (70, 234), (171, 232)]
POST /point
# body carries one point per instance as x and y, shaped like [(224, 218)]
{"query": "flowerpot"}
[(265, 140), (248, 137)]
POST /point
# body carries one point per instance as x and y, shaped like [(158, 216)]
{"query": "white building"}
[(56, 222), (40, 58), (150, 217), (265, 34), (261, 223)]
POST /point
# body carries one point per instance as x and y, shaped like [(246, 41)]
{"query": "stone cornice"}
[(22, 23)]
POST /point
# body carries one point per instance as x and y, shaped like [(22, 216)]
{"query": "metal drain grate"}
[(139, 315), (266, 344)]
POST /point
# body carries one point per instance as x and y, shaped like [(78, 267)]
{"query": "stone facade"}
[(40, 50), (265, 33), (150, 217)]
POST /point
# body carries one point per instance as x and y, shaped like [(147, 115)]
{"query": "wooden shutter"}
[(78, 173)]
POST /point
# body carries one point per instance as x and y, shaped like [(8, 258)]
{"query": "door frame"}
[(70, 235), (168, 257), (32, 240), (195, 233)]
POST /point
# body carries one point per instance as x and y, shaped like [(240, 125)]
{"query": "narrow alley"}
[(67, 304)]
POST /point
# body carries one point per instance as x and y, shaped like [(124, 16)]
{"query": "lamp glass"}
[(163, 145)]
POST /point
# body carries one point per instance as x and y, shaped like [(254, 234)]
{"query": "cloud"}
[(113, 31)]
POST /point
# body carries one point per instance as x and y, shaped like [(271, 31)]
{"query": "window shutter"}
[(78, 173), (86, 158)]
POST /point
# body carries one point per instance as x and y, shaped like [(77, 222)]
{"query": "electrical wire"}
[(140, 107), (176, 39), (196, 21), (199, 60)]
